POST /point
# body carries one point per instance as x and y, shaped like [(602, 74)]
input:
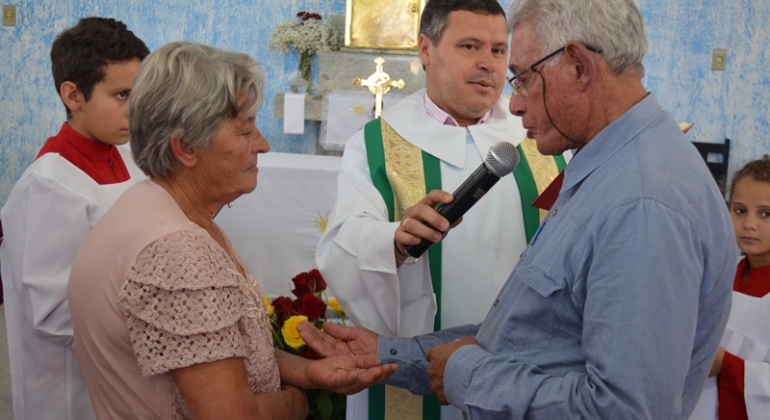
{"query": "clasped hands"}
[(360, 345), (417, 221)]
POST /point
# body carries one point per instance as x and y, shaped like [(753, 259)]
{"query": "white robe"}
[(747, 336), (48, 214), (356, 253)]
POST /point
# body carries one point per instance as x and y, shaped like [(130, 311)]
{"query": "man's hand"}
[(413, 226), (437, 358)]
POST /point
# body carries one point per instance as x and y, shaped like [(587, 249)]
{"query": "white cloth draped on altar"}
[(347, 111), (276, 228)]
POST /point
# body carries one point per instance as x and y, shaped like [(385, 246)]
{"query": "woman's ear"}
[(72, 97), (183, 153)]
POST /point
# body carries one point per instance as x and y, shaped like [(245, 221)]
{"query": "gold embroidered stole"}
[(543, 168), (404, 166)]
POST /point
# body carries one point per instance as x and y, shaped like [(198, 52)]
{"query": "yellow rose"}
[(268, 307), (289, 331), (335, 306)]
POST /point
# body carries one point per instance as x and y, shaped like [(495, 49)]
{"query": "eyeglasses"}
[(518, 89)]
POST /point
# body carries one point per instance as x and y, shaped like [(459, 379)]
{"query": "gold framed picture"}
[(392, 24)]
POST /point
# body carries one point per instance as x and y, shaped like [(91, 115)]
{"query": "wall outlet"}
[(718, 59)]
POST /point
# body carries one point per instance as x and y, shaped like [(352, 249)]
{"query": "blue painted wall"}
[(733, 103)]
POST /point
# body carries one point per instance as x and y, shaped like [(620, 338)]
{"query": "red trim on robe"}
[(731, 379), (731, 385), (102, 162), (758, 283)]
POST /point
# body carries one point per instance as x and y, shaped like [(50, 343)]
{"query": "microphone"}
[(500, 161)]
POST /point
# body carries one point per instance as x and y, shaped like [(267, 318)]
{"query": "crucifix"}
[(379, 84)]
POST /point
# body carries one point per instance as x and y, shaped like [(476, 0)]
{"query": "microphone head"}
[(502, 159)]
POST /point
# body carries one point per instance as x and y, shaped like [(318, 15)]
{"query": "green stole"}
[(376, 156)]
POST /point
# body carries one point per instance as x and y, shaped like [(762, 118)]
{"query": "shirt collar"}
[(91, 148), (610, 140), (443, 117), (448, 142)]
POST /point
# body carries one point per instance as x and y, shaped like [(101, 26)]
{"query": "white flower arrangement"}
[(306, 35)]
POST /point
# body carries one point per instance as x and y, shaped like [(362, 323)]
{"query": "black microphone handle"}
[(465, 197)]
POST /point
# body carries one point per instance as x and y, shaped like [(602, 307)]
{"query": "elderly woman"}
[(168, 322)]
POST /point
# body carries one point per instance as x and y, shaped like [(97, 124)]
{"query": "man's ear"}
[(423, 49), (584, 62), (72, 97), (185, 155)]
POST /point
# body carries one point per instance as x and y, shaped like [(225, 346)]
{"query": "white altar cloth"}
[(275, 229)]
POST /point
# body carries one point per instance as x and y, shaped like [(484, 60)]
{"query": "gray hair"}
[(615, 26), (187, 90)]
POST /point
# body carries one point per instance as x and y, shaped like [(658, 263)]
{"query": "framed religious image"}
[(392, 24)]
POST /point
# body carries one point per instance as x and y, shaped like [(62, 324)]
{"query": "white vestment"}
[(356, 254), (747, 336), (48, 214)]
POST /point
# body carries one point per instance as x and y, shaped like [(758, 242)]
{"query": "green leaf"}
[(325, 407)]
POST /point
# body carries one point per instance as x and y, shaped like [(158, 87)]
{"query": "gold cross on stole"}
[(379, 84)]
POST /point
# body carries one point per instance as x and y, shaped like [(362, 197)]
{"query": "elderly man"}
[(617, 306)]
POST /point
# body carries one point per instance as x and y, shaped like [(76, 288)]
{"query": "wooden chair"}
[(716, 156)]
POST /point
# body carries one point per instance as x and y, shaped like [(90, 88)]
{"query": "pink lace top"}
[(186, 302)]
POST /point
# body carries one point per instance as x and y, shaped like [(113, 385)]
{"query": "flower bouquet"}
[(310, 304), (306, 35)]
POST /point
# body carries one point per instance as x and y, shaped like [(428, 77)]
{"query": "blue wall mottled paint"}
[(732, 103)]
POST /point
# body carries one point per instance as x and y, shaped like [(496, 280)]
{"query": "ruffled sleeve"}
[(182, 304)]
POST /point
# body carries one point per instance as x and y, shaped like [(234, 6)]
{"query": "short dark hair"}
[(80, 53), (436, 13), (757, 170)]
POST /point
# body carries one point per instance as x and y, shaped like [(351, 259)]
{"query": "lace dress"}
[(187, 302)]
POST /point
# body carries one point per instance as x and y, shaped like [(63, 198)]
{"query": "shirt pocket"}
[(532, 315)]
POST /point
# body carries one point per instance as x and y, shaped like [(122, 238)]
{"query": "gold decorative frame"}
[(392, 24)]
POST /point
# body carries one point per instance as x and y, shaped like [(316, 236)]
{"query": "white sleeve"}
[(747, 336), (756, 390), (45, 223), (356, 256)]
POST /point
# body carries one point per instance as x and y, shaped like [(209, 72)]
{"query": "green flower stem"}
[(305, 62)]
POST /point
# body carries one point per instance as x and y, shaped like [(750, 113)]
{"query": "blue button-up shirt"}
[(616, 308)]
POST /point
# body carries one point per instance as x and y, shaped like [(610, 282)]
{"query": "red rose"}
[(310, 282), (283, 308), (318, 280), (307, 354), (310, 306), (301, 285)]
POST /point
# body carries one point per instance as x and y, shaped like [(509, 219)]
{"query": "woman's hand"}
[(350, 361), (337, 340)]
